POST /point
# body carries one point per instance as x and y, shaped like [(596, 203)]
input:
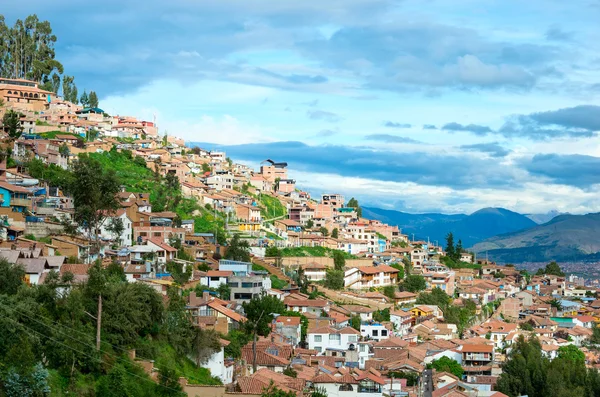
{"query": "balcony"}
[(477, 357), (20, 202)]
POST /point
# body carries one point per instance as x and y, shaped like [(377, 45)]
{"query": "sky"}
[(415, 105)]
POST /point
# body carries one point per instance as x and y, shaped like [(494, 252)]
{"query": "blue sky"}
[(417, 105)]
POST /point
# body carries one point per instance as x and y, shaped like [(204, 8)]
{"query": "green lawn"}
[(278, 283), (313, 251), (271, 207)]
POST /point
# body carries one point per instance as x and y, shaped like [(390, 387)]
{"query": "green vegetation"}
[(278, 283), (238, 250), (381, 315), (447, 364), (334, 279), (551, 268), (528, 372), (11, 121), (458, 265), (314, 251), (461, 316), (270, 207), (353, 203), (414, 283), (52, 339)]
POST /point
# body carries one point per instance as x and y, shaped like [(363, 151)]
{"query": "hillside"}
[(564, 238), (471, 229)]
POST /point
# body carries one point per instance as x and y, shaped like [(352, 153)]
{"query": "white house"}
[(323, 338), (402, 321), (374, 331), (126, 236), (313, 306), (215, 278), (217, 367), (349, 386), (314, 271)]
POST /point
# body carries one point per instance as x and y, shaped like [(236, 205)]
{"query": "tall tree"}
[(93, 100), (353, 203), (238, 250), (414, 283), (259, 313), (335, 232), (450, 252), (94, 190), (11, 121), (69, 89), (84, 100), (339, 260), (116, 228)]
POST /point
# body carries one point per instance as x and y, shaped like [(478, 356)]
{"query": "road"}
[(427, 383)]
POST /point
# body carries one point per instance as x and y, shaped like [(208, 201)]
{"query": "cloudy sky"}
[(417, 105)]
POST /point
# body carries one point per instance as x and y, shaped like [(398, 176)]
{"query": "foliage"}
[(313, 252), (412, 378), (180, 276), (274, 391), (11, 277), (335, 232), (595, 338), (414, 283), (400, 269), (11, 121), (390, 292), (323, 230), (28, 51), (551, 268), (277, 283), (93, 100), (528, 372), (310, 224), (272, 252), (259, 313), (435, 297), (447, 364), (116, 228), (353, 203), (271, 207), (382, 315), (355, 322), (94, 192), (556, 303), (238, 250), (334, 279), (237, 339), (291, 372), (526, 327), (339, 261)]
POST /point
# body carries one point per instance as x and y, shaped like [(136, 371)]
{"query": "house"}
[(477, 360), (374, 331), (127, 235), (496, 330), (212, 313), (314, 271), (429, 330), (402, 321), (164, 252), (324, 338), (248, 213), (16, 197), (313, 306), (269, 355), (215, 278), (75, 247), (257, 383), (404, 298), (287, 225), (426, 311), (376, 276), (289, 327)]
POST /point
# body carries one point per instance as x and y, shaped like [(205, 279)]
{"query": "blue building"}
[(15, 197)]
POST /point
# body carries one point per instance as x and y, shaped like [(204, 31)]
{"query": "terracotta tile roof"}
[(330, 330), (475, 348), (162, 245), (263, 358), (324, 378), (391, 342), (137, 269), (219, 273), (377, 269), (227, 312), (305, 303), (288, 320), (404, 295)]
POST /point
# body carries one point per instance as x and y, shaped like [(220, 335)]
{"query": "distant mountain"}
[(471, 229), (543, 218), (564, 238)]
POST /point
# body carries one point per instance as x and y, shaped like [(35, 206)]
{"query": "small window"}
[(318, 338), (375, 332), (318, 349), (335, 337), (384, 332), (346, 387)]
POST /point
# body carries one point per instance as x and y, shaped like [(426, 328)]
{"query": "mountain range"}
[(564, 238), (471, 229), (505, 236)]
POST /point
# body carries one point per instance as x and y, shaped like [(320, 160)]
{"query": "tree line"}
[(27, 52)]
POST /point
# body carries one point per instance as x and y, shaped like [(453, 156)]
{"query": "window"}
[(346, 387), (384, 332), (353, 338), (234, 285), (318, 338), (334, 337), (375, 332), (214, 279), (318, 349), (156, 234), (363, 348)]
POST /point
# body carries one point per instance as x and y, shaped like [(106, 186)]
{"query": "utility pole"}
[(98, 322)]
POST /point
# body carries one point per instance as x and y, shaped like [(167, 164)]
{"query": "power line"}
[(85, 354)]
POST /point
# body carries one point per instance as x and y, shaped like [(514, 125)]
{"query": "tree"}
[(335, 233), (11, 277), (382, 315), (353, 203), (64, 150), (556, 303), (205, 343), (259, 314), (310, 224), (323, 230), (84, 100), (179, 275), (238, 250), (447, 364), (272, 252), (355, 322), (551, 268), (571, 353), (94, 190), (93, 100), (334, 279), (29, 384), (435, 297), (339, 260), (450, 252), (390, 292), (458, 250), (291, 372), (69, 89), (224, 291), (407, 264), (116, 228), (400, 269), (414, 283), (11, 121), (168, 382)]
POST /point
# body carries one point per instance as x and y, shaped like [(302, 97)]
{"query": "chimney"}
[(206, 295)]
